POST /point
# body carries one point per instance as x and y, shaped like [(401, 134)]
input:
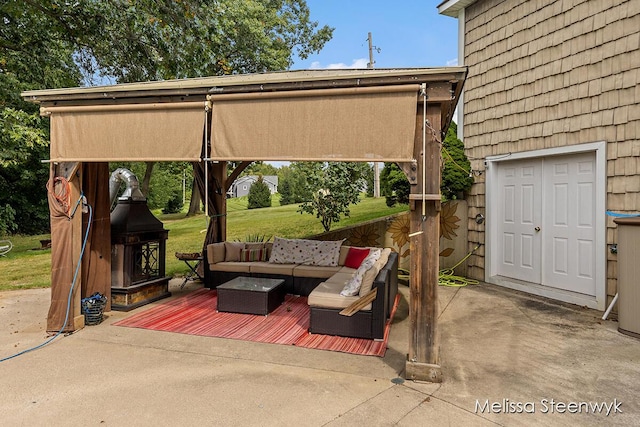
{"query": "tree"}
[(259, 194), (162, 185), (174, 204), (53, 44), (154, 40), (370, 179), (286, 196), (31, 57), (260, 168), (292, 185), (394, 185), (456, 173), (333, 186)]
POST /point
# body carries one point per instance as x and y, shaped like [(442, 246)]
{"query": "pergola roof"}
[(307, 115), (300, 79)]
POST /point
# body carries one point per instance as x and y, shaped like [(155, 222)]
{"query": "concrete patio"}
[(504, 354)]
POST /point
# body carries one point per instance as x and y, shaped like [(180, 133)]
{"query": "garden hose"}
[(446, 276)]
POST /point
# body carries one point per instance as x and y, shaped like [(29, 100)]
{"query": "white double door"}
[(546, 230)]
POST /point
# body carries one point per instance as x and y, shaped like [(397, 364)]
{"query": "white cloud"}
[(452, 62), (357, 63)]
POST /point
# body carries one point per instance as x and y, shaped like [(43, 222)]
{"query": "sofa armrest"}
[(391, 269), (215, 253), (381, 304), (207, 272)]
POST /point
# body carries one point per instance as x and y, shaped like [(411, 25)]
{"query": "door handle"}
[(537, 229)]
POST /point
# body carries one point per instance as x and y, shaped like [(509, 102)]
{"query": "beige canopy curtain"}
[(127, 132), (347, 124)]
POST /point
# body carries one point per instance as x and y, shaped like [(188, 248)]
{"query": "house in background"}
[(241, 186), (550, 118)]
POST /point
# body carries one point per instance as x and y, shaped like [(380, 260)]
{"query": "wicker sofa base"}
[(329, 322)]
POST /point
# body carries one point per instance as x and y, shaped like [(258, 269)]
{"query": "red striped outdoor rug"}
[(196, 314)]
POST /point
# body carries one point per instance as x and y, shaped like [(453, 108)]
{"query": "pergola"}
[(373, 115)]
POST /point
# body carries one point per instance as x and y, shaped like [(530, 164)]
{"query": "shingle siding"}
[(547, 74)]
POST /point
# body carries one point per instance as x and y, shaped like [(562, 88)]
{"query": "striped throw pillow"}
[(248, 255)]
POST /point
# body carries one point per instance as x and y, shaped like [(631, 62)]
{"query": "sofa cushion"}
[(355, 256), (231, 266), (352, 287), (232, 250), (271, 268), (215, 252), (327, 295), (341, 277), (348, 270), (370, 275), (315, 271)]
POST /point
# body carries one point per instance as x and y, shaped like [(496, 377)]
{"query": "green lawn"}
[(27, 266)]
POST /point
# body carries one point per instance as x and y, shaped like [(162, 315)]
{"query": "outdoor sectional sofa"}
[(321, 284)]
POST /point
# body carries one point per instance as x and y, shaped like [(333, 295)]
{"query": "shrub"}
[(259, 195), (174, 204), (456, 174), (7, 218)]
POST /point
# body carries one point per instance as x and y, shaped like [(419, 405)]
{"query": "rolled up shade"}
[(354, 124), (127, 132)]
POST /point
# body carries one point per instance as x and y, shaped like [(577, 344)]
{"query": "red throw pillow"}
[(355, 256)]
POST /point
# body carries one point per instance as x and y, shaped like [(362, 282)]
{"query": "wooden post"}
[(220, 198), (66, 240), (423, 358)]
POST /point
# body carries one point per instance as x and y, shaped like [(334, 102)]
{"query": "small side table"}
[(193, 261)]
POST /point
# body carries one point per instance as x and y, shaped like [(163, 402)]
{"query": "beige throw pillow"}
[(232, 251), (215, 253)]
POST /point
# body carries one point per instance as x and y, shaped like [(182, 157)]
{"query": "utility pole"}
[(371, 62), (376, 165)]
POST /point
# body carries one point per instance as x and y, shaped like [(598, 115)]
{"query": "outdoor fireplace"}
[(138, 253)]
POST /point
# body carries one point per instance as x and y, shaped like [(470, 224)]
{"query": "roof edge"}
[(204, 85), (453, 7)]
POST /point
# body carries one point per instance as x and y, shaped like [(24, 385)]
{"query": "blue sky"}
[(409, 33)]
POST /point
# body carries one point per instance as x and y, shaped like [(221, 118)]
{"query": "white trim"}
[(491, 201), (461, 43), (452, 7)]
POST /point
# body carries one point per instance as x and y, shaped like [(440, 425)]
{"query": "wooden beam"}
[(360, 303), (437, 196), (441, 92), (235, 174), (423, 358), (410, 169)]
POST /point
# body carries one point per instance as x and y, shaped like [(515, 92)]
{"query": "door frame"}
[(492, 203)]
